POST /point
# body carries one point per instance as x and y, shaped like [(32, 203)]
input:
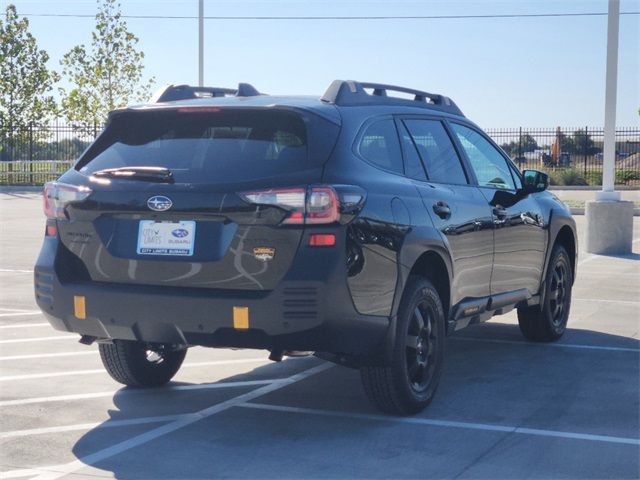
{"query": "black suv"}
[(360, 226)]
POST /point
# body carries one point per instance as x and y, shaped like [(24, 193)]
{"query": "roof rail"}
[(352, 93), (171, 93)]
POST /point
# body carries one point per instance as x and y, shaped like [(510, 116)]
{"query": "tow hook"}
[(276, 355), (87, 339)]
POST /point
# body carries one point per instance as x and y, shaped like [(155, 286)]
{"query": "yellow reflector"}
[(241, 318), (79, 307)]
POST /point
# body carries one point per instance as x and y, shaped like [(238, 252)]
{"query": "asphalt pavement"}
[(505, 408)]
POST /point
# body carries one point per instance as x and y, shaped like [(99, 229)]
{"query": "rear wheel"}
[(409, 383), (138, 364), (548, 321)]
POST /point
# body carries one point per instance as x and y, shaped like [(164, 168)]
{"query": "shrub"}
[(569, 176)]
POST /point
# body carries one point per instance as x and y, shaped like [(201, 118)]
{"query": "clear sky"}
[(503, 72)]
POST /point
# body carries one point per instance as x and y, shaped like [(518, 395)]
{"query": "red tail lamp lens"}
[(322, 240)]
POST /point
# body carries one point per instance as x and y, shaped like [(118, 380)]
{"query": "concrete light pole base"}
[(609, 227)]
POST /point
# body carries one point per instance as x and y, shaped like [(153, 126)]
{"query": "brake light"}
[(322, 205), (56, 196), (313, 205)]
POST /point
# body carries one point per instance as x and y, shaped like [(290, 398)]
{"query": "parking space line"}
[(555, 345), (604, 300), (40, 339), (123, 391), (25, 325), (31, 376), (168, 428), (21, 314), (15, 270), (4, 309), (89, 426), (445, 423), (48, 355)]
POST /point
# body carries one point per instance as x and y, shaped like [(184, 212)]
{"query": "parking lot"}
[(505, 408)]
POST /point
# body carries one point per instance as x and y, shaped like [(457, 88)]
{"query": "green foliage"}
[(25, 80), (594, 178), (109, 75), (627, 177), (526, 144), (567, 176)]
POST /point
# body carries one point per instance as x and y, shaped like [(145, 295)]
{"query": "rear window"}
[(203, 147)]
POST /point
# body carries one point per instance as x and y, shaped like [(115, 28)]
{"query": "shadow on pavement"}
[(510, 384)]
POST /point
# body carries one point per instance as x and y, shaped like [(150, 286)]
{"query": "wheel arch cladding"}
[(566, 238), (432, 266)]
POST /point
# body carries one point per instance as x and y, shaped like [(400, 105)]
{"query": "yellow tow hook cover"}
[(79, 307), (241, 318)]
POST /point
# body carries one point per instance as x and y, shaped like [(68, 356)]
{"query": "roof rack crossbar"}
[(172, 93), (352, 93)]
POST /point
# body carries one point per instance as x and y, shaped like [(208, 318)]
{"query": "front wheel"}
[(408, 384), (548, 321), (137, 364)]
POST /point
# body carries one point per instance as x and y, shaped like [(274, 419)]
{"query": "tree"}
[(108, 76), (25, 81), (582, 143), (526, 143)]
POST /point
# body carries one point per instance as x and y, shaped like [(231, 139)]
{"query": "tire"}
[(408, 384), (547, 322), (136, 364)]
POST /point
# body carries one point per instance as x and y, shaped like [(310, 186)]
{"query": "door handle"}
[(499, 212), (442, 209)]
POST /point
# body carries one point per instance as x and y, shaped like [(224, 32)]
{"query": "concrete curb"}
[(590, 187), (580, 211), (20, 189)]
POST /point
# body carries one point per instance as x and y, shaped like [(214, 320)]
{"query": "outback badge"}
[(264, 254)]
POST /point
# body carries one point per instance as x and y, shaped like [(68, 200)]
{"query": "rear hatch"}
[(196, 196)]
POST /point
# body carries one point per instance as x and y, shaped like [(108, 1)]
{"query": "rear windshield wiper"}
[(145, 174)]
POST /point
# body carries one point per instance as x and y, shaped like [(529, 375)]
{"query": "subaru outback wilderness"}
[(360, 226)]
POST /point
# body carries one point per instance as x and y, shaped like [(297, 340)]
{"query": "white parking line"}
[(128, 392), (21, 314), (15, 270), (25, 325), (445, 423), (603, 300), (49, 355), (89, 426), (4, 309), (555, 345), (185, 421), (31, 376), (40, 339)]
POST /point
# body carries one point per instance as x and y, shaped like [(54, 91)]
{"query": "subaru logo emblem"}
[(159, 203)]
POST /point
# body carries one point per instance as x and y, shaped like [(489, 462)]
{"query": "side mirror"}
[(535, 181)]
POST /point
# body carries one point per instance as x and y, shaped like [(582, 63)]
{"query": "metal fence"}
[(572, 156)]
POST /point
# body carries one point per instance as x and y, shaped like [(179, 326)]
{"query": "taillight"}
[(313, 205), (56, 196)]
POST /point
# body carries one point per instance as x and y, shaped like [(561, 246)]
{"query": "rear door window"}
[(202, 147), (438, 154), (379, 145)]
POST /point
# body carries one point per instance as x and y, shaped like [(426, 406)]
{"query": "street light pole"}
[(201, 43), (609, 152)]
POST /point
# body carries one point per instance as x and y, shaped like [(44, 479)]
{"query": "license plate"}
[(166, 238)]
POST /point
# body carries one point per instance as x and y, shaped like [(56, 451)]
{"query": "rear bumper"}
[(311, 310)]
